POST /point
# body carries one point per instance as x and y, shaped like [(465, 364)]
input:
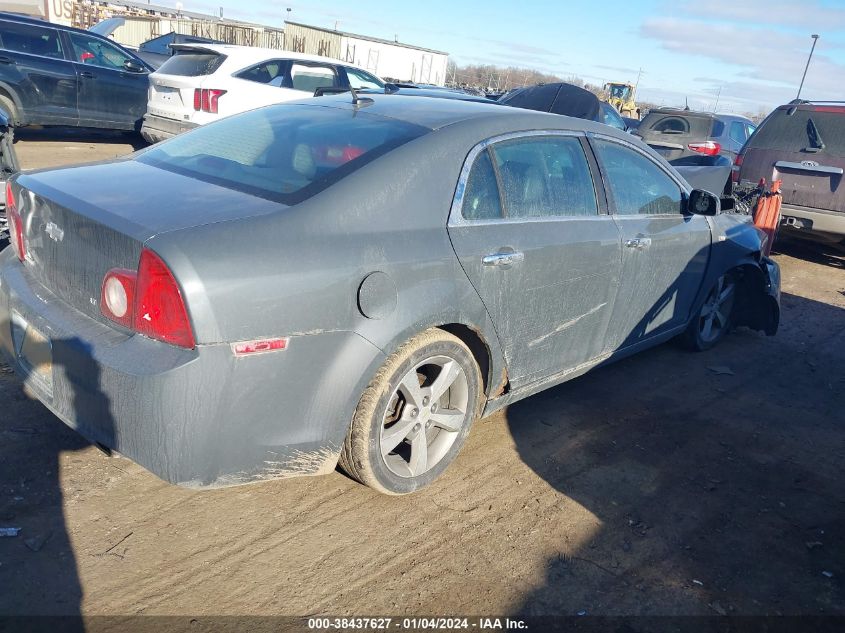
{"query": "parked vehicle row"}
[(292, 317)]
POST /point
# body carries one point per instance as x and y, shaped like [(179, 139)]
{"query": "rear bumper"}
[(157, 128), (197, 418), (819, 221)]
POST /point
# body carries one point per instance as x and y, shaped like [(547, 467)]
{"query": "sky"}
[(750, 54)]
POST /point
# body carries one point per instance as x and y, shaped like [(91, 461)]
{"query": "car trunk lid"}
[(81, 222), (804, 148)]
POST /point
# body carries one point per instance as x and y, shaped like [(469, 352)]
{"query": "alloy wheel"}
[(424, 416), (714, 318)]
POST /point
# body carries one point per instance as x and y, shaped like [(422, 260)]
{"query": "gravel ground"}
[(668, 483)]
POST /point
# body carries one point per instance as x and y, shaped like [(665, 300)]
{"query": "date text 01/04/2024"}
[(412, 624)]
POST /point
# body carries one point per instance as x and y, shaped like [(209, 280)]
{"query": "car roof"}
[(435, 113), (700, 113), (249, 54)]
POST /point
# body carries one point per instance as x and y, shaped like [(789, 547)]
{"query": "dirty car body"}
[(307, 242)]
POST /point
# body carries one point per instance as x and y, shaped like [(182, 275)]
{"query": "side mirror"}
[(702, 202), (132, 66)]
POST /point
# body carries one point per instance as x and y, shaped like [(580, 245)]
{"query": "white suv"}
[(205, 82)]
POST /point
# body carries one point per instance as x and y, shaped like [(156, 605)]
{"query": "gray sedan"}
[(356, 280)]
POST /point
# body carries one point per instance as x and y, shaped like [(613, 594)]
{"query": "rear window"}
[(666, 126), (804, 129), (285, 153), (192, 64)]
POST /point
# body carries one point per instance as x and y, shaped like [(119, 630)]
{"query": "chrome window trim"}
[(456, 217)]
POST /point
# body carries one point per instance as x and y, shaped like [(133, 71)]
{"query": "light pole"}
[(815, 39)]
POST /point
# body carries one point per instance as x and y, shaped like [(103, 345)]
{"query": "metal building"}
[(144, 20), (390, 59)]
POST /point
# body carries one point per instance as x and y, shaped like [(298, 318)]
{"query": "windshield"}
[(620, 92), (285, 153)]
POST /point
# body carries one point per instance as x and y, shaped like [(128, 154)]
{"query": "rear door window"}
[(192, 64), (545, 176), (636, 184), (285, 153), (31, 40), (309, 77), (481, 196)]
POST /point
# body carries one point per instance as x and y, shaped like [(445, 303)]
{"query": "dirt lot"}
[(669, 483)]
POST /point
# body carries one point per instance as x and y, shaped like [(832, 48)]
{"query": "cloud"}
[(811, 14), (621, 69), (773, 60)]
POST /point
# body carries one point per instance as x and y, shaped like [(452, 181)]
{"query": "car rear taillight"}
[(709, 148), (205, 99), (15, 224), (148, 301), (735, 168)]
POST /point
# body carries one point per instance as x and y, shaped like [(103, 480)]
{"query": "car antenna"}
[(686, 104), (359, 101)]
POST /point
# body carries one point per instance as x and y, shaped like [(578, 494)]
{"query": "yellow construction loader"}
[(621, 96)]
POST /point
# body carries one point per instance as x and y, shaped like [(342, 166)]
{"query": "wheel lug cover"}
[(417, 427), (433, 408), (425, 400), (414, 412)]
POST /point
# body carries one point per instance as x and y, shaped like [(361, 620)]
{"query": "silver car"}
[(356, 280)]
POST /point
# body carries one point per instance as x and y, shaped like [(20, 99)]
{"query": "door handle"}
[(87, 74), (502, 259), (639, 243), (6, 60)]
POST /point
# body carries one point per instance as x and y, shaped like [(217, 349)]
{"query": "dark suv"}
[(801, 144), (678, 134), (56, 75)]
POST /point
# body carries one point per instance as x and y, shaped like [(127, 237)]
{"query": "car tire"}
[(9, 106), (714, 318), (403, 435)]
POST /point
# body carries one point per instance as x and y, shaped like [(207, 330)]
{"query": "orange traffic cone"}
[(767, 214)]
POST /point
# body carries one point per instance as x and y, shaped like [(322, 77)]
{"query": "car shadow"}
[(822, 253), (714, 478), (40, 564), (80, 135)]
